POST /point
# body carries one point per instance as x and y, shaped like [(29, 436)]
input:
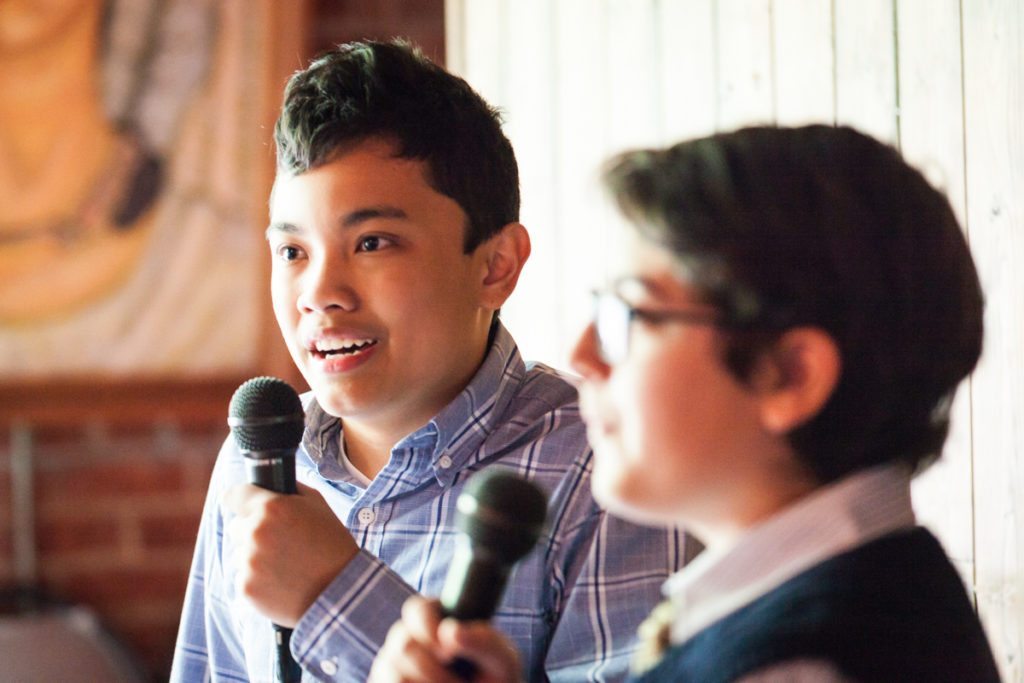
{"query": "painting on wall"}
[(133, 154)]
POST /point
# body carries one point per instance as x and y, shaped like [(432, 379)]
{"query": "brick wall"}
[(115, 520), (6, 548)]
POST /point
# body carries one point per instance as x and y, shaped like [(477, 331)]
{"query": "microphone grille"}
[(266, 414), (502, 513)]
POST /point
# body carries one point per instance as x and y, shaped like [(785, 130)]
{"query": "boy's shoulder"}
[(546, 394), (543, 409), (545, 383)]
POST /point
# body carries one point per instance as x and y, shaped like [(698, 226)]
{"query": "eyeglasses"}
[(613, 322)]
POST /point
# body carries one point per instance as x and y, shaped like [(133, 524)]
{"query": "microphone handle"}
[(274, 470), (286, 669), (474, 595), (476, 591)]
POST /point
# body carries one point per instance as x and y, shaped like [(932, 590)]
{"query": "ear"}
[(795, 378), (504, 256)]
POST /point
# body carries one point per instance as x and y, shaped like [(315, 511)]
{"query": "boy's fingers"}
[(241, 498), (492, 652), (421, 617), (410, 652)]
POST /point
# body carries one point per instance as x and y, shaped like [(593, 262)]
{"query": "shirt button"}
[(366, 516), (444, 462), (328, 667)]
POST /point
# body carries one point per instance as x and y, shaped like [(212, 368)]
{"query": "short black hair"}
[(823, 226), (389, 90)]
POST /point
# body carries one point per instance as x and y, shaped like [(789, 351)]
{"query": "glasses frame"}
[(613, 319)]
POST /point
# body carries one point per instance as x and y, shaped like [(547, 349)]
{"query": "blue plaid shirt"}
[(572, 606)]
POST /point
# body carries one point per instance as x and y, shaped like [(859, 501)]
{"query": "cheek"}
[(434, 303), (637, 467), (655, 407), (410, 311), (283, 300), (674, 419)]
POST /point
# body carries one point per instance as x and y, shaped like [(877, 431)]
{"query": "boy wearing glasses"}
[(775, 362), (394, 239)]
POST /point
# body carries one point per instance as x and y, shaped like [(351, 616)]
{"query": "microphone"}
[(499, 517), (267, 422)]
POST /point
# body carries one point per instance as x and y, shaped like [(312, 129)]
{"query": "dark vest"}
[(891, 610)]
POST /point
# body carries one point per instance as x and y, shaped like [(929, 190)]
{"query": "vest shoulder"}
[(891, 610)]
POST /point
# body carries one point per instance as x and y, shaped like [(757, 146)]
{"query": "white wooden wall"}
[(941, 79)]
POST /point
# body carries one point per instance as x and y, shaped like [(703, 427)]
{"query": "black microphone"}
[(267, 422), (499, 517)]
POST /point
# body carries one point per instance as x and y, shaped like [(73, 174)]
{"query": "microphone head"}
[(266, 414), (502, 514)]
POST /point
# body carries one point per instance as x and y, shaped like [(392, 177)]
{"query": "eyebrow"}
[(655, 289), (348, 221)]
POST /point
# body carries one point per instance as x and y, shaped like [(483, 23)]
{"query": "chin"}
[(609, 490), (607, 501), (627, 500), (628, 511), (332, 401)]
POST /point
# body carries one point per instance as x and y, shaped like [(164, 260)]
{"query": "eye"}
[(287, 252), (373, 243)]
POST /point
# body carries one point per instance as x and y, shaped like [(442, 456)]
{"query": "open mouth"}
[(334, 348)]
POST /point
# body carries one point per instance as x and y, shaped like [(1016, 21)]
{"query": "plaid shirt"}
[(572, 605)]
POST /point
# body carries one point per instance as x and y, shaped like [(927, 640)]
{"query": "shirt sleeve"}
[(339, 636), (208, 646), (612, 579)]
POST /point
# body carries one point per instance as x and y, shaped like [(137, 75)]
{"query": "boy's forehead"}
[(367, 183), (370, 172)]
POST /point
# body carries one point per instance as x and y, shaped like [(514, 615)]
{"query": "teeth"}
[(347, 345)]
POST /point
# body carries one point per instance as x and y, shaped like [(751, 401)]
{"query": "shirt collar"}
[(836, 518), (463, 425), (319, 427), (454, 435)]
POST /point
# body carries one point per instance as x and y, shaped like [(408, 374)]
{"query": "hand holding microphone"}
[(499, 519), (287, 549), (267, 421)]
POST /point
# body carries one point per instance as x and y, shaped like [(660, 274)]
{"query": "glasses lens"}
[(611, 320)]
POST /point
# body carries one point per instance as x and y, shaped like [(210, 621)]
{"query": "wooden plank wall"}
[(942, 79)]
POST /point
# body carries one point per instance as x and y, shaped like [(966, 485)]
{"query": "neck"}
[(767, 490), (367, 450)]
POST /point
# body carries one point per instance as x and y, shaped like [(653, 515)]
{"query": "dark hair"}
[(823, 227), (390, 90)]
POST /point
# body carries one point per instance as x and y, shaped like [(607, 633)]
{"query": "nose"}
[(585, 358), (326, 285)]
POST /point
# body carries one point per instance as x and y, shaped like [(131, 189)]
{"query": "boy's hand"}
[(420, 645), (286, 549)]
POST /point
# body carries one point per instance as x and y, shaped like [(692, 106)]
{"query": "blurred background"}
[(121, 342), (135, 162)]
